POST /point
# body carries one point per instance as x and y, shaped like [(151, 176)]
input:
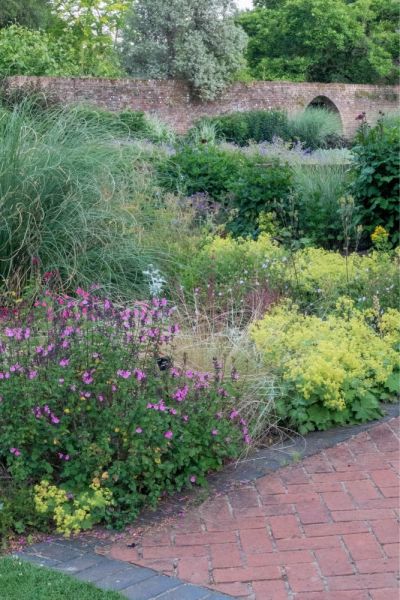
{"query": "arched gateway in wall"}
[(171, 100)]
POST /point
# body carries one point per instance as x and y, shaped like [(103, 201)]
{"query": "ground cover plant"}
[(96, 418), (335, 370), (23, 581)]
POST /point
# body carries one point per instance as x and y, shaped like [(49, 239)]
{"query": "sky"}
[(244, 3)]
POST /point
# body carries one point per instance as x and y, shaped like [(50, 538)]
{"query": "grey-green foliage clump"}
[(193, 40)]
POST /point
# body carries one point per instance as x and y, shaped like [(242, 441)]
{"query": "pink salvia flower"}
[(169, 435)]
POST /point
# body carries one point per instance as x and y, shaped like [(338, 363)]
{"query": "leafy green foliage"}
[(259, 187), (247, 185), (255, 125), (34, 14), (315, 40), (377, 175), (195, 40), (28, 52), (203, 168), (313, 128)]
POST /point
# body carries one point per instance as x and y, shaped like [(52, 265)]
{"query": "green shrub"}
[(64, 204), (261, 186), (95, 415), (248, 185), (334, 370), (314, 127), (377, 175), (204, 168), (255, 125), (317, 189)]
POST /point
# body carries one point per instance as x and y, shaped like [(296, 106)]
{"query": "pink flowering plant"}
[(90, 396)]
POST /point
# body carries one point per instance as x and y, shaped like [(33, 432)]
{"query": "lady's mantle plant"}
[(97, 418)]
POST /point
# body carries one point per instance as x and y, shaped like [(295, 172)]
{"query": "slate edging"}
[(131, 581)]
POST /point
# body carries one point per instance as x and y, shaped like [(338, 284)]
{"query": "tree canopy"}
[(194, 40), (29, 13), (315, 40)]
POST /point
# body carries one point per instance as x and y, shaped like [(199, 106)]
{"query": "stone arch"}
[(328, 104)]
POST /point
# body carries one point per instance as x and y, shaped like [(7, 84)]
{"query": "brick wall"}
[(171, 101)]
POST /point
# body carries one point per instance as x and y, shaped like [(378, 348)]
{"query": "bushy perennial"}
[(334, 370), (94, 411), (315, 278)]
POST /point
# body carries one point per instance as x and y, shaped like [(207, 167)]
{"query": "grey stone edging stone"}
[(131, 581)]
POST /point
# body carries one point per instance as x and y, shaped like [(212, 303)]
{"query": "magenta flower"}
[(234, 414), (169, 435), (32, 374), (140, 375), (62, 456), (185, 418), (181, 394), (64, 362), (61, 381), (87, 377), (193, 478), (138, 430), (175, 372), (124, 374), (214, 432), (55, 420), (234, 375), (15, 451)]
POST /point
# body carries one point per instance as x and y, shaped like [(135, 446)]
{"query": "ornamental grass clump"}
[(334, 370), (97, 417), (65, 186)]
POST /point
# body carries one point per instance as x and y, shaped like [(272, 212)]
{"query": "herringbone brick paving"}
[(323, 529)]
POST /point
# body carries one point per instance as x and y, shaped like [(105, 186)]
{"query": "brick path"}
[(322, 529)]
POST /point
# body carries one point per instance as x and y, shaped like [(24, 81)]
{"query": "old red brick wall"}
[(171, 101)]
